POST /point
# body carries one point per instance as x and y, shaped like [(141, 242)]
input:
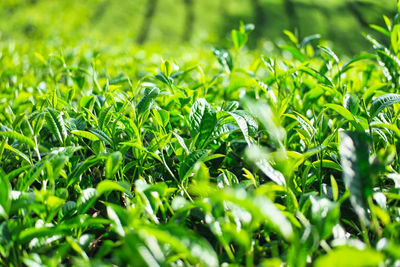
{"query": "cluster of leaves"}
[(255, 161)]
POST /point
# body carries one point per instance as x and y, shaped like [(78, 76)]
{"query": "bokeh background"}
[(180, 22)]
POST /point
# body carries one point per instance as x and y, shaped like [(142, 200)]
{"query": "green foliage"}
[(229, 157)]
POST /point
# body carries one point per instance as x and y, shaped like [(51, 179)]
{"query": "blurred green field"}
[(119, 23)]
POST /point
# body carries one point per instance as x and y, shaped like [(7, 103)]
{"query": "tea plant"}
[(239, 159)]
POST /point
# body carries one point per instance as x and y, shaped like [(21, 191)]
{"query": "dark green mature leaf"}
[(81, 167), (202, 119), (354, 153), (55, 122), (148, 96), (68, 208), (390, 62), (102, 136), (382, 102), (247, 124), (189, 162), (86, 200)]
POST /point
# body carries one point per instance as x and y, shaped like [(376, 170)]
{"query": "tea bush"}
[(225, 157)]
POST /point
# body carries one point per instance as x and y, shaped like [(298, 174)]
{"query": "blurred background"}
[(194, 22)]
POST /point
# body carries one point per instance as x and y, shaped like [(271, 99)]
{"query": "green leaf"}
[(382, 102), (262, 209), (17, 136), (55, 123), (224, 58), (335, 189), (296, 53), (354, 153), (326, 163), (395, 38), (189, 162), (270, 172), (324, 215), (330, 53), (184, 241), (291, 36), (85, 134), (161, 116), (380, 29), (57, 163), (107, 186), (346, 66), (104, 117), (341, 110), (102, 136), (116, 221), (258, 157), (166, 68), (161, 77), (181, 142), (202, 119), (54, 202), (313, 95), (5, 195), (345, 114), (112, 164), (308, 39), (28, 234), (239, 38), (247, 124), (350, 256), (81, 167), (150, 93), (86, 200), (68, 208), (305, 124), (226, 178), (351, 103), (87, 101), (19, 153)]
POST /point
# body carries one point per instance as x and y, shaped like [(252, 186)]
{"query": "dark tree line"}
[(148, 18), (259, 8), (149, 15)]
